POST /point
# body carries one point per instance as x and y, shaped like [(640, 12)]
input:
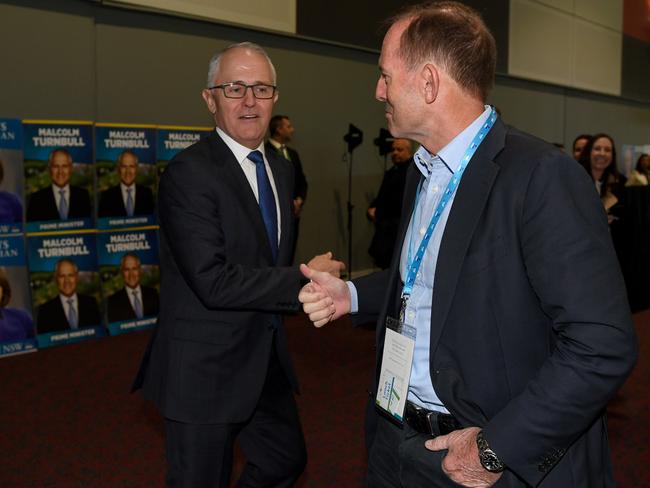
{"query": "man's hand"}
[(325, 263), (297, 206), (324, 298), (371, 213), (462, 463)]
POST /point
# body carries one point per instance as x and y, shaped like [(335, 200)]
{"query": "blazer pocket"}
[(481, 259), (206, 331)]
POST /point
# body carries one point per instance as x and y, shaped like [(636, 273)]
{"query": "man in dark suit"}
[(506, 287), (281, 131), (133, 301), (128, 198), (60, 201), (68, 310), (386, 208), (218, 366)]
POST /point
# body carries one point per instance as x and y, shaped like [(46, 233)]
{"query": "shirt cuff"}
[(354, 298)]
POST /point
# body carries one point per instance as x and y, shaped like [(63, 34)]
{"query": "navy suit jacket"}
[(221, 295), (42, 205), (111, 203), (300, 186), (119, 306), (531, 332), (52, 318)]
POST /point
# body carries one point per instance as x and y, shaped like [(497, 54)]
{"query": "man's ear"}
[(431, 82), (209, 101), (276, 95)]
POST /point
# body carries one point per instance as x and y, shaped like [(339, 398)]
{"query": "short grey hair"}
[(213, 66)]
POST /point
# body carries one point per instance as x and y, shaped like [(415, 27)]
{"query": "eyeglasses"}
[(237, 89)]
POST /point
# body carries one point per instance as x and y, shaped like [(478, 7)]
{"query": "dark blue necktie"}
[(267, 201)]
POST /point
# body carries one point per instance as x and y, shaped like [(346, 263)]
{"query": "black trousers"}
[(200, 455), (398, 458)]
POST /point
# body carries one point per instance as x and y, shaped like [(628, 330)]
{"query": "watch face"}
[(491, 462), (487, 456)]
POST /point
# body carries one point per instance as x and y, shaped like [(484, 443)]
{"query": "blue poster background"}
[(112, 246), (111, 142), (44, 251), (41, 137)]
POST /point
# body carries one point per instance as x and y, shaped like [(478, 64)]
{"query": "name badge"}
[(397, 358)]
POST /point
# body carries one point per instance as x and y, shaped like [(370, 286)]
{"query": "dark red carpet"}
[(67, 419)]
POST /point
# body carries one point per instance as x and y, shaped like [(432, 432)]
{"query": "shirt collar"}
[(275, 143), (131, 290), (57, 189), (452, 154), (64, 299), (125, 187), (241, 152)]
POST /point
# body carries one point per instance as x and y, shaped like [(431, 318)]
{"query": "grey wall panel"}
[(47, 60), (539, 111), (360, 23), (636, 69)]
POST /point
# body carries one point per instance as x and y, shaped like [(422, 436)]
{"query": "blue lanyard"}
[(414, 263)]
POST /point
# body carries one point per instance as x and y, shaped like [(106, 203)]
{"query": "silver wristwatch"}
[(489, 459)]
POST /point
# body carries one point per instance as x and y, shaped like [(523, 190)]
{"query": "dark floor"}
[(67, 418)]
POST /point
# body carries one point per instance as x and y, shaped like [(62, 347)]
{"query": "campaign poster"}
[(59, 178), (173, 139), (17, 330), (126, 175), (11, 176), (128, 265), (66, 289)]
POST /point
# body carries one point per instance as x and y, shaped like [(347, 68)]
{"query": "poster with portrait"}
[(128, 266), (12, 202), (173, 139), (66, 289), (17, 331), (126, 175), (59, 178)]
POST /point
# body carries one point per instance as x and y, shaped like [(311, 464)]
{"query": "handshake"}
[(326, 297)]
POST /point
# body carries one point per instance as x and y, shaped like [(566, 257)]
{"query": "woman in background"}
[(640, 175), (599, 160)]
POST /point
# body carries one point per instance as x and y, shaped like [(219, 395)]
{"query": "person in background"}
[(386, 208), (598, 158), (640, 175), (579, 144), (15, 324), (281, 132), (11, 209)]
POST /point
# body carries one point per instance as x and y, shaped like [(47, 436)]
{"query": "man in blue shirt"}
[(506, 280)]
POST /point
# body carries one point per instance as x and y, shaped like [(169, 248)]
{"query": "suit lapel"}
[(468, 205), (413, 177), (242, 191)]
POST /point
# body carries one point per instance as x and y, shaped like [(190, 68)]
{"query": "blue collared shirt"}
[(437, 171)]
